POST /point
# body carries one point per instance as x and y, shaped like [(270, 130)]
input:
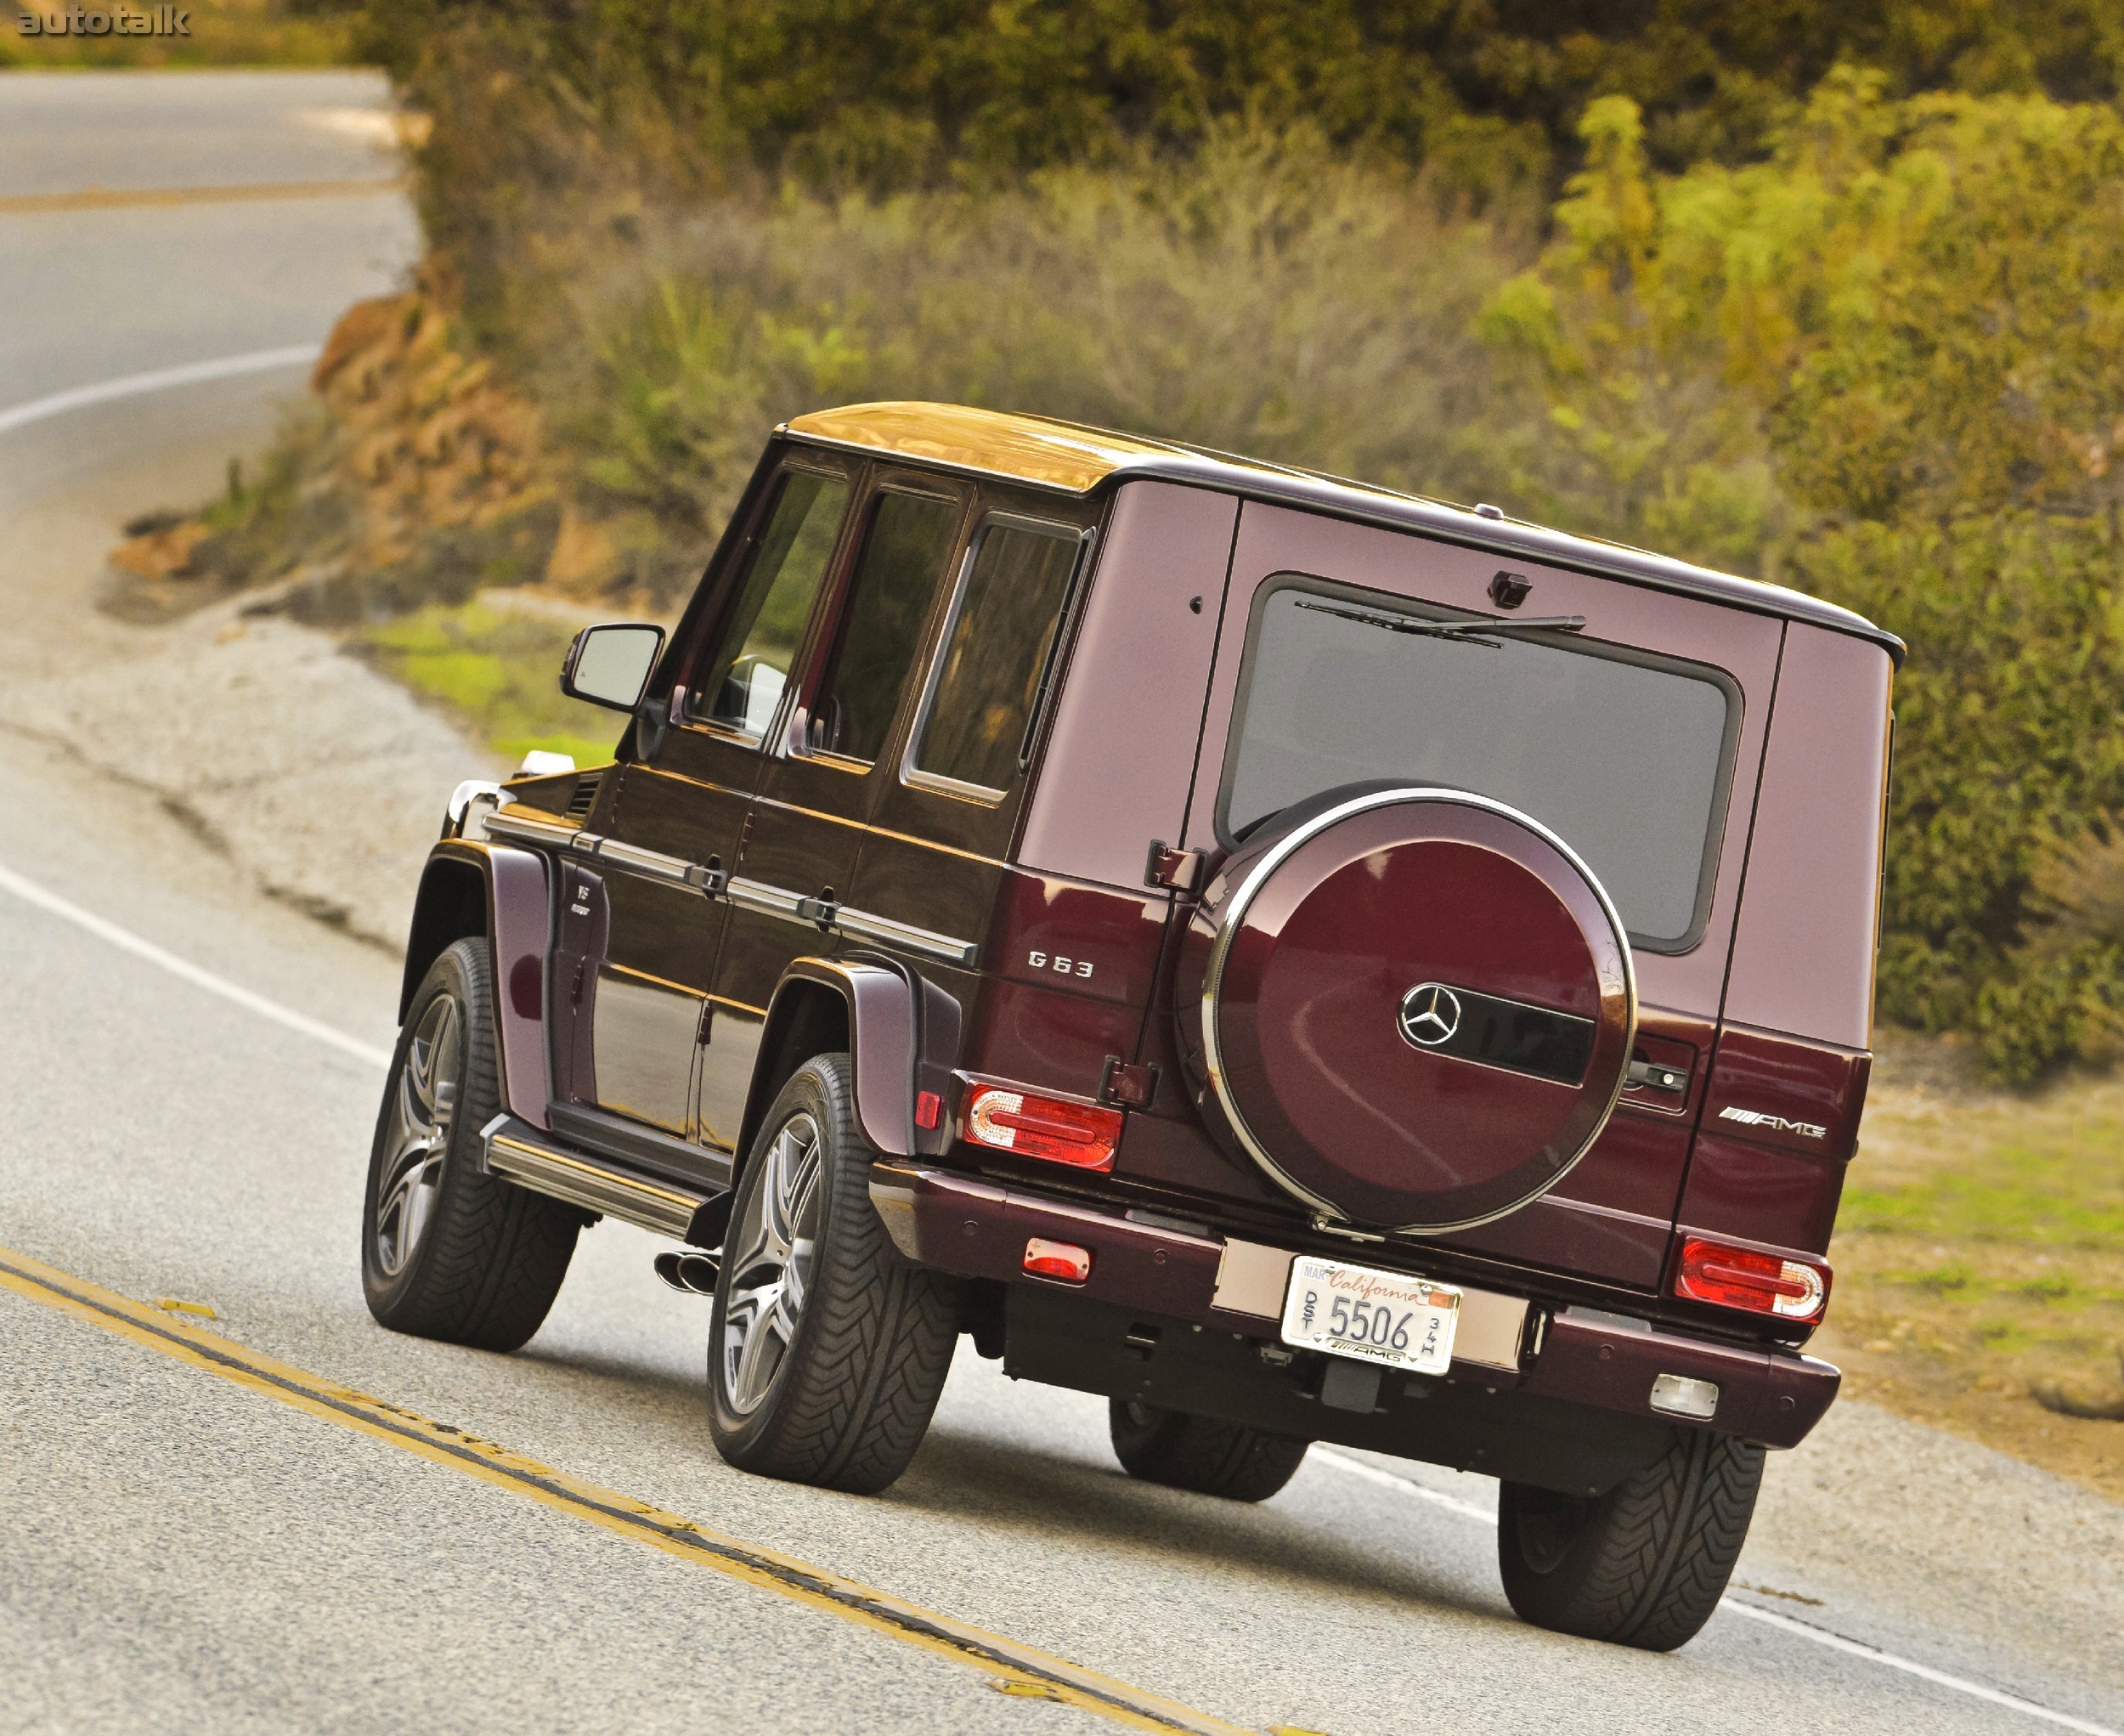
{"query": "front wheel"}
[(447, 1250), (828, 1350), (1644, 1565)]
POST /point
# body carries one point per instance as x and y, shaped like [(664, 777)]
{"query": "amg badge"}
[(1775, 1123)]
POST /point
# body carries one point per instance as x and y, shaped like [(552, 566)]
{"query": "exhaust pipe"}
[(689, 1269)]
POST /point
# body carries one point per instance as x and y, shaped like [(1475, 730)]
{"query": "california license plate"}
[(1386, 1317)]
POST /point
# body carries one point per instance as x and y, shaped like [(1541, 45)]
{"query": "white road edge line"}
[(30, 893), (257, 361), (1822, 1636)]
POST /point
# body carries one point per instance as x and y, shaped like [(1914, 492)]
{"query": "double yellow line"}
[(1013, 1668)]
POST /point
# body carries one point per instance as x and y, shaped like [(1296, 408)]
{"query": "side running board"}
[(526, 1155)]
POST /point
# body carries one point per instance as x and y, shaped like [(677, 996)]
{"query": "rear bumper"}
[(1574, 1357)]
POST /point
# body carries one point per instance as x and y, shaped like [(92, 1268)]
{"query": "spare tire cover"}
[(1416, 1007)]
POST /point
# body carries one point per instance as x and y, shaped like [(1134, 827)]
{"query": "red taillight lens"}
[(1058, 1259), (1044, 1127), (1762, 1283)]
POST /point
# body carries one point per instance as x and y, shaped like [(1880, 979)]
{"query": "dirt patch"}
[(320, 781)]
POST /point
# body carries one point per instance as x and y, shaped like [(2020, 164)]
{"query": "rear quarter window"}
[(998, 654), (1625, 756)]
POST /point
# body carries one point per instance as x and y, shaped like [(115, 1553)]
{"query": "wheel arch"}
[(900, 1032), (472, 890)]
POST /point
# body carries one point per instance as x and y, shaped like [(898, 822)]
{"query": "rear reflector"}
[(1679, 1396), (929, 1108), (1044, 1127), (1058, 1259), (1743, 1277)]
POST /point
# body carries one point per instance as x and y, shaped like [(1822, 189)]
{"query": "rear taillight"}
[(1743, 1277), (1081, 1133)]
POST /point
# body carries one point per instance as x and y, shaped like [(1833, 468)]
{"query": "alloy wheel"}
[(423, 1108), (769, 1262)]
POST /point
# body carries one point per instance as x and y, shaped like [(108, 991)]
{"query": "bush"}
[(2008, 737)]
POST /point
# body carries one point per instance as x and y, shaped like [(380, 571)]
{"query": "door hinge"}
[(575, 987), (707, 1021), (1180, 869), (1128, 1087)]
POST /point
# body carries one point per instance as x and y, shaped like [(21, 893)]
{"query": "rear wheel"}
[(828, 1350), (1644, 1565), (448, 1251), (1198, 1453)]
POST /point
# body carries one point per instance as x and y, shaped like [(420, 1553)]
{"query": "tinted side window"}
[(988, 681), (741, 683), (911, 538)]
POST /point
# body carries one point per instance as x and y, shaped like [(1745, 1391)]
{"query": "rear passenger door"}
[(822, 780), (934, 858)]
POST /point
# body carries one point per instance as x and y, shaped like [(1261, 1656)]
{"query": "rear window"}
[(1624, 755)]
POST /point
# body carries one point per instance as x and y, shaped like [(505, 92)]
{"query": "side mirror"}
[(610, 665)]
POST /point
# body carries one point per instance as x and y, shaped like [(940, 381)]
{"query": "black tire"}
[(484, 1258), (1644, 1565), (1198, 1453), (842, 1381)]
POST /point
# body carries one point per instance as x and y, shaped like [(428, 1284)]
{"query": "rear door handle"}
[(1656, 1078)]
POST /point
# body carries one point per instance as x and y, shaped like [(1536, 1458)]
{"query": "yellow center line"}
[(115, 198), (1014, 1668)]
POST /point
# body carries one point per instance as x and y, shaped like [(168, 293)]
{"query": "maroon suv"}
[(1303, 962)]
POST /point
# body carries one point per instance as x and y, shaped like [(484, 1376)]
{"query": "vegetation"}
[(496, 665), (1979, 1254)]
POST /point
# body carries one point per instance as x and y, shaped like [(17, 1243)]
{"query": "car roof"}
[(1071, 458)]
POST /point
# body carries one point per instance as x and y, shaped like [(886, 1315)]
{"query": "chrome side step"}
[(519, 1152)]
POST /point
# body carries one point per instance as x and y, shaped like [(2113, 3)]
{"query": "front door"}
[(652, 1022), (818, 790)]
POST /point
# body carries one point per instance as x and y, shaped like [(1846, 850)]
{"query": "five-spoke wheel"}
[(770, 1251), (448, 1251), (827, 1348), (418, 1113)]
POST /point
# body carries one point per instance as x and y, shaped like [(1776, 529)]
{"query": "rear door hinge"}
[(1128, 1087), (1180, 869)]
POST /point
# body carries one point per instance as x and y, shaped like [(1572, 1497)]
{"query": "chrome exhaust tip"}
[(689, 1269)]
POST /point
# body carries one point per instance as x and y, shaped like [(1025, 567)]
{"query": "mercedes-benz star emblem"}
[(1430, 1014)]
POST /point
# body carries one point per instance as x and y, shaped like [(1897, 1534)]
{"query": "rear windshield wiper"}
[(1468, 632)]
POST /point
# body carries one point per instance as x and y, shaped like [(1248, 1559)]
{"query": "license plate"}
[(1386, 1317)]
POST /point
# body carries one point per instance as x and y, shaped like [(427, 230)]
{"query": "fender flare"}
[(903, 1037), (471, 888)]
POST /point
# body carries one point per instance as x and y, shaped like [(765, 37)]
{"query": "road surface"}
[(205, 1526)]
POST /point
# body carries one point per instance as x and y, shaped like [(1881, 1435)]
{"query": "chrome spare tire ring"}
[(1258, 874)]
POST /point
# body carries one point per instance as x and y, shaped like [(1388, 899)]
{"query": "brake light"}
[(1044, 1127), (1058, 1259), (1762, 1283)]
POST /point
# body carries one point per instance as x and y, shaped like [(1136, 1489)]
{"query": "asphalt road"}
[(192, 1539)]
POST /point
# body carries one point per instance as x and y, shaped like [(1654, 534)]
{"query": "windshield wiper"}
[(1468, 632)]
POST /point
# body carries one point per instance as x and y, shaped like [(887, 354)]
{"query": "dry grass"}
[(1981, 1250)]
